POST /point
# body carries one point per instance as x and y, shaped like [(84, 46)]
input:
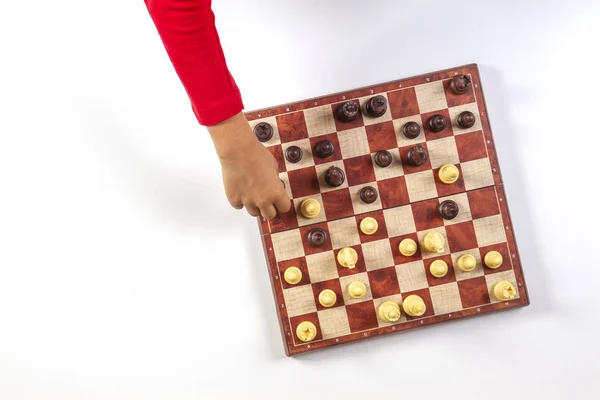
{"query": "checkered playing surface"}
[(407, 204)]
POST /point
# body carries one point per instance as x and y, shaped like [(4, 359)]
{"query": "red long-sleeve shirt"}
[(189, 35)]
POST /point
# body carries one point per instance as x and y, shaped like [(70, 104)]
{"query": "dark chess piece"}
[(317, 237), (383, 158), (448, 209), (293, 154), (348, 111), (376, 106), (411, 130), (334, 176), (324, 148), (263, 131), (460, 84), (466, 119), (417, 155), (437, 123), (368, 194)]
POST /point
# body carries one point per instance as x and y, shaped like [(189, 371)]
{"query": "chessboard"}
[(400, 218)]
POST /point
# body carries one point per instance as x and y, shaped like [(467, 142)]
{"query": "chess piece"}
[(357, 289), (411, 130), (383, 158), (389, 311), (368, 194), (467, 262), (327, 298), (493, 259), (460, 84), (334, 176), (438, 268), (449, 173), (417, 155), (293, 154), (466, 119), (369, 226), (292, 275), (310, 208), (504, 290), (434, 242), (414, 306), (324, 148), (376, 106), (317, 237), (437, 123), (407, 247), (263, 131), (306, 331), (347, 257), (348, 111), (448, 209)]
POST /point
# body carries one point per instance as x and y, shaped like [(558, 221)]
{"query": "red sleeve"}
[(187, 30)]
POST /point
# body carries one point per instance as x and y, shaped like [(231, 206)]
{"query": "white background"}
[(124, 274)]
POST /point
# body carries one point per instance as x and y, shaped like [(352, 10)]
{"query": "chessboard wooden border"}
[(521, 301)]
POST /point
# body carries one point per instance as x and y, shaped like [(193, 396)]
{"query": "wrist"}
[(232, 136)]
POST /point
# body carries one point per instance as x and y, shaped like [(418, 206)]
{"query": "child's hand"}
[(250, 173)]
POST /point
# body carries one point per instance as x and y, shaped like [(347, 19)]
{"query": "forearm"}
[(187, 30)]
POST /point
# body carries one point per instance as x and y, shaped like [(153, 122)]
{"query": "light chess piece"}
[(369, 226), (414, 306), (438, 268), (449, 173), (504, 290), (467, 262), (327, 298), (347, 257), (292, 275), (310, 208), (434, 242), (407, 247), (389, 311), (357, 289), (306, 331), (493, 259)]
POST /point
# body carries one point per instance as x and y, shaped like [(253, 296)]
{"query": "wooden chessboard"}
[(407, 206)]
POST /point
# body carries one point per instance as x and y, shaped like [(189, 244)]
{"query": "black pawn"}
[(411, 130), (448, 209), (324, 148), (348, 111), (293, 154), (368, 194), (437, 123), (417, 155), (334, 176), (383, 158), (317, 237), (466, 119)]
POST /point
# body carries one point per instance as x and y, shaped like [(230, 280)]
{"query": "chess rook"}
[(411, 130), (368, 194), (324, 149), (376, 106), (448, 209), (466, 119), (348, 111), (334, 176), (417, 155), (294, 154), (437, 123), (263, 131), (460, 84), (317, 237), (383, 158)]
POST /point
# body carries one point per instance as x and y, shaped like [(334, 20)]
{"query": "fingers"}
[(268, 211), (283, 203), (253, 210)]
